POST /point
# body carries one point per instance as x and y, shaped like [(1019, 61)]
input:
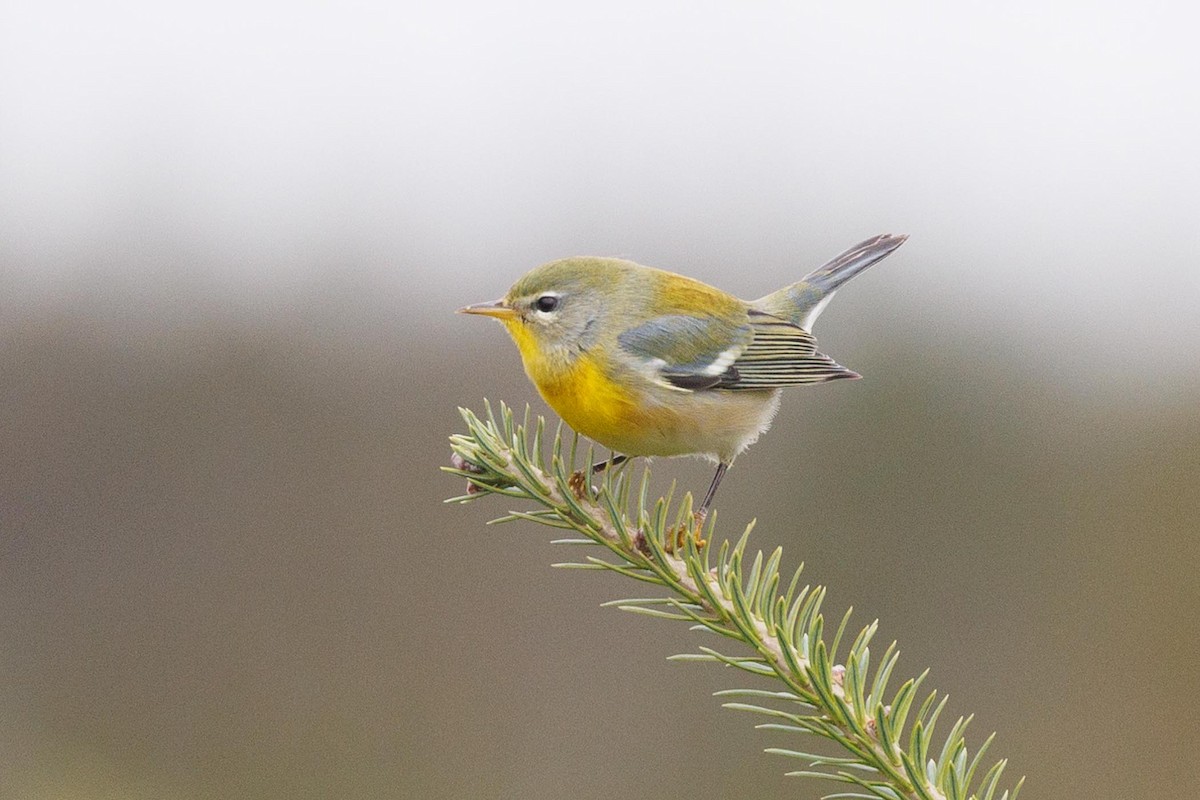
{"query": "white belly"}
[(716, 424)]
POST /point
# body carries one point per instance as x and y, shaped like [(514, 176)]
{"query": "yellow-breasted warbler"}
[(650, 363)]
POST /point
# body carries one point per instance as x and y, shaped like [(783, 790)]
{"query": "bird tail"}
[(803, 301)]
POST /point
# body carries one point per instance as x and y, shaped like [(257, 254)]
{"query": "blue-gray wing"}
[(758, 351), (689, 352)]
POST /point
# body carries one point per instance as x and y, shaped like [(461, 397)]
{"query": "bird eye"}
[(546, 303)]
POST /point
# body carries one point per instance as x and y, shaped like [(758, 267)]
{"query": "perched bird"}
[(650, 363)]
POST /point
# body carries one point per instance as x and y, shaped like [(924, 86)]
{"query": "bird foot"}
[(677, 537), (578, 483)]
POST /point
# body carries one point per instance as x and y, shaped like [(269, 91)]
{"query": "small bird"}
[(650, 363)]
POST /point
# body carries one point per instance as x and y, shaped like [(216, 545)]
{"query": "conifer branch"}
[(743, 598)]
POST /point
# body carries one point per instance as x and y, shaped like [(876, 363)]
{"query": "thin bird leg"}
[(678, 535), (579, 478), (600, 466), (712, 491)]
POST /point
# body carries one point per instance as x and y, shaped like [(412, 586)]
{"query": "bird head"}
[(557, 310)]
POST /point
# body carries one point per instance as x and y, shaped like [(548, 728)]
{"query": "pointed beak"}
[(498, 309)]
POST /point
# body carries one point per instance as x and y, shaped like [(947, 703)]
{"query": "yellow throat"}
[(580, 392)]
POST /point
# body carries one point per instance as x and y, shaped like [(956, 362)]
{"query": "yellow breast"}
[(585, 397), (637, 417)]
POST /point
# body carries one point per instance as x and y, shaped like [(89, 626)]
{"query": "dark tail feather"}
[(841, 268), (801, 302)]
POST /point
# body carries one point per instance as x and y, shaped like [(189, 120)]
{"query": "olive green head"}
[(561, 305)]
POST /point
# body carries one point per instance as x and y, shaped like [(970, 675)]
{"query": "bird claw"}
[(578, 483), (677, 537)]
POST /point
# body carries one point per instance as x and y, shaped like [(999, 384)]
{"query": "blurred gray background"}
[(232, 237)]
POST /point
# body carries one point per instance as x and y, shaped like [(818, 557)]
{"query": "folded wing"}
[(691, 352)]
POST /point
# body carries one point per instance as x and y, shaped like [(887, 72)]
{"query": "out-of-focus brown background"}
[(231, 241)]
